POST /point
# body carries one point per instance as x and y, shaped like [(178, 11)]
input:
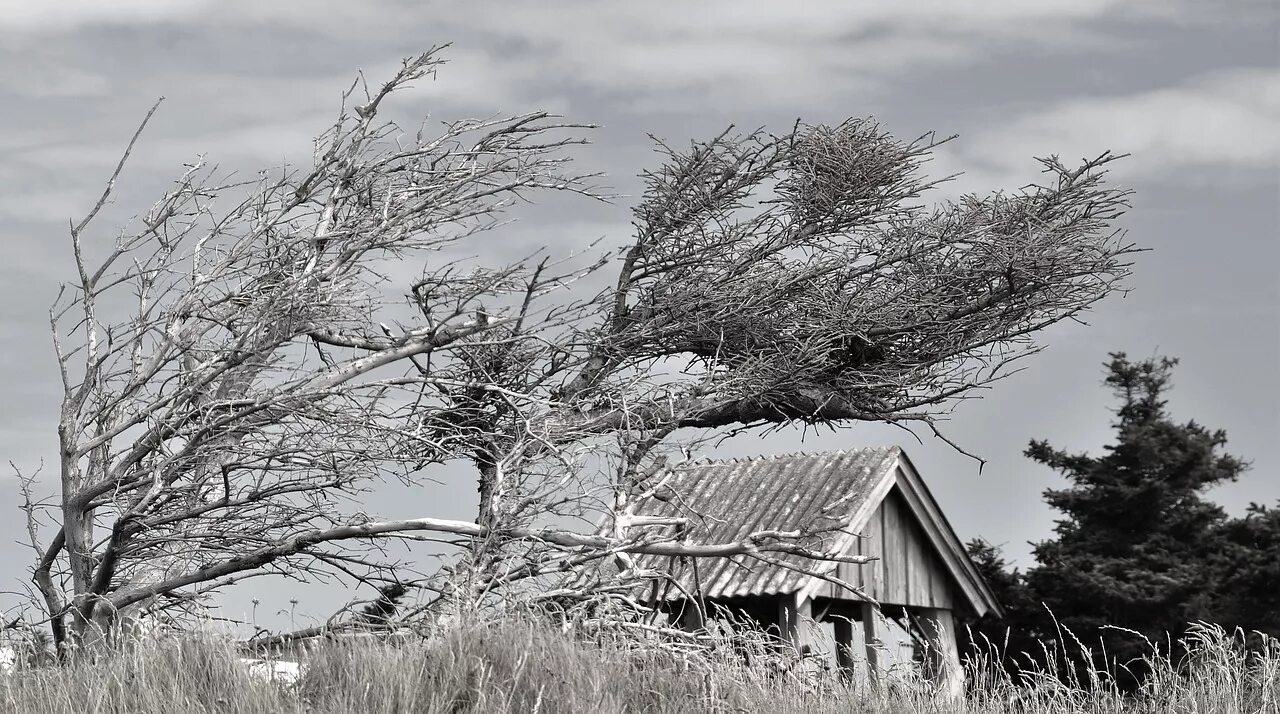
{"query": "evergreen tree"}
[(1011, 639), (1248, 572), (1136, 533), (1138, 546)]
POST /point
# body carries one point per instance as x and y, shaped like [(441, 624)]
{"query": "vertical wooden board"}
[(931, 573), (852, 573), (858, 573), (942, 658), (853, 576), (873, 572), (919, 564), (905, 520), (792, 614), (917, 582), (941, 585), (895, 583), (843, 571), (870, 641), (928, 573), (948, 599)]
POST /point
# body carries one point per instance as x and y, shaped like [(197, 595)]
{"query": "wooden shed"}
[(869, 502)]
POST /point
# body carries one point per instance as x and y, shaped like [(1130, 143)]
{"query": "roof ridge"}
[(708, 460), (885, 449)]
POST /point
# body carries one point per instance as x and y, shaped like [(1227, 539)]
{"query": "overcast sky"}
[(1190, 89)]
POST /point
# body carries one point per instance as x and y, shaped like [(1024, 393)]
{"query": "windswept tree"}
[(236, 366)]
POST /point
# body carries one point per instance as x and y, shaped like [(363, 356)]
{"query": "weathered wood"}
[(874, 571), (908, 571), (942, 656), (920, 563), (941, 592), (964, 582), (896, 524), (916, 558), (871, 642), (792, 617), (856, 575)]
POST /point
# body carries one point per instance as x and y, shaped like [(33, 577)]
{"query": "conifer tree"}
[(1138, 546), (1248, 567), (1137, 533), (1136, 529)]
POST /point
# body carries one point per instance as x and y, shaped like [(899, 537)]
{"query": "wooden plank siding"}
[(919, 574), (908, 571), (893, 559), (873, 573)]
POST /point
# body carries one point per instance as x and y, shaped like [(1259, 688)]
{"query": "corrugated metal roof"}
[(725, 501)]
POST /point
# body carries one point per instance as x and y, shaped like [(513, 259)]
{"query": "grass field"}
[(523, 667)]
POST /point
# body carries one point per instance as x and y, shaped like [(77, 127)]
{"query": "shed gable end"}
[(908, 570)]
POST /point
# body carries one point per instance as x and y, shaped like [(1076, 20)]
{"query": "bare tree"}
[(231, 380)]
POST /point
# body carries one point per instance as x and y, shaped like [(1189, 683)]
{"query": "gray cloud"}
[(1226, 118), (64, 16)]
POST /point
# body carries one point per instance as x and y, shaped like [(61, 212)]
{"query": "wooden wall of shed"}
[(908, 571)]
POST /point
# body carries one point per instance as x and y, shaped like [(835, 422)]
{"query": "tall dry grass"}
[(527, 667)]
